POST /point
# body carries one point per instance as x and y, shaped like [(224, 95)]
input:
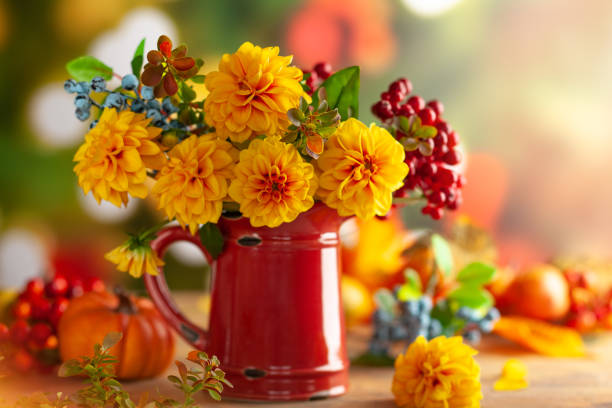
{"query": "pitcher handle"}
[(160, 293)]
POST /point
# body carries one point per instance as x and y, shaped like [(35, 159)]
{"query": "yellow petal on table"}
[(514, 376)]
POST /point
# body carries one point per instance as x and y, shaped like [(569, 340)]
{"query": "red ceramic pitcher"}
[(276, 321)]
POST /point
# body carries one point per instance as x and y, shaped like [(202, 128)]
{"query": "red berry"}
[(396, 97), (57, 310), (19, 331), (40, 308), (416, 102), (398, 88), (428, 116), (441, 151), (22, 360), (35, 287), (58, 286), (446, 177), (39, 334), (51, 343), (385, 96), (437, 197), (436, 213), (443, 127), (453, 139), (323, 69), (22, 309), (455, 202), (428, 169), (453, 157), (4, 332), (95, 284), (76, 288), (405, 110), (407, 85), (437, 107), (384, 110), (441, 139)]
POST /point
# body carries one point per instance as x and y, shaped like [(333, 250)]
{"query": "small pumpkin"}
[(147, 346)]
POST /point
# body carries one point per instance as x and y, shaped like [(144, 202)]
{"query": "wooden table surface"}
[(554, 382)]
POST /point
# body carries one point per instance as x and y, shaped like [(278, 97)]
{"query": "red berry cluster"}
[(589, 308), (31, 339), (319, 73), (432, 168)]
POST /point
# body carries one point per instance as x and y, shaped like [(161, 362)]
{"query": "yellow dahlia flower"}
[(441, 373), (272, 183), (360, 169), (192, 185), (113, 161), (135, 259), (251, 93)]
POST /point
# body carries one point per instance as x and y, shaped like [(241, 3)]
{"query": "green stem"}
[(408, 200)]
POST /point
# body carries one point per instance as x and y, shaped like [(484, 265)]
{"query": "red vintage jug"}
[(276, 321)]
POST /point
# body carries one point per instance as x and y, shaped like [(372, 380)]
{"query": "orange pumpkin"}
[(147, 346)]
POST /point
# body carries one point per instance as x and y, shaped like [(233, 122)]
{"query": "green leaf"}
[(473, 296), (442, 254), (374, 360), (187, 93), (137, 59), (412, 289), (212, 239), (111, 339), (85, 68), (476, 273), (426, 132), (214, 395), (385, 301), (198, 79), (404, 124), (342, 92)]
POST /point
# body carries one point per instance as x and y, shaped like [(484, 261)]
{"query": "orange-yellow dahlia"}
[(441, 373), (360, 169), (272, 183), (113, 161), (192, 185), (251, 93), (135, 259)]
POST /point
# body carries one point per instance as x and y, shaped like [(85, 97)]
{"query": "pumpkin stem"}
[(126, 306)]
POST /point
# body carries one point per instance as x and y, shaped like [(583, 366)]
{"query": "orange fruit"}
[(356, 300), (541, 292)]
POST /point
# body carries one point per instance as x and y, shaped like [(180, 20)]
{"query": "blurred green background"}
[(527, 83)]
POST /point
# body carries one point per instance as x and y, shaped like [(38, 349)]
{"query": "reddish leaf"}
[(170, 84), (183, 64), (163, 39), (159, 90), (152, 75), (166, 48), (193, 356), (180, 51), (155, 57), (189, 73), (182, 368)]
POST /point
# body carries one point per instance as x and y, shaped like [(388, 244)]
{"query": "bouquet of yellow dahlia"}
[(267, 141)]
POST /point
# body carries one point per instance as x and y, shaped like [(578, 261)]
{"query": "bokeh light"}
[(22, 256), (430, 8), (106, 212), (51, 116)]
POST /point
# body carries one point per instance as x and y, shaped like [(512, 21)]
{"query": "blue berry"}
[(154, 115), (82, 102), (82, 114), (399, 332), (93, 124), (129, 82), (410, 307), (381, 317), (378, 348), (486, 325), (161, 124), (472, 336), (382, 333), (137, 106), (425, 304), (114, 100), (70, 86), (175, 124), (82, 87), (434, 329), (154, 104), (168, 107), (492, 314), (424, 320), (467, 313), (147, 93), (98, 84)]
